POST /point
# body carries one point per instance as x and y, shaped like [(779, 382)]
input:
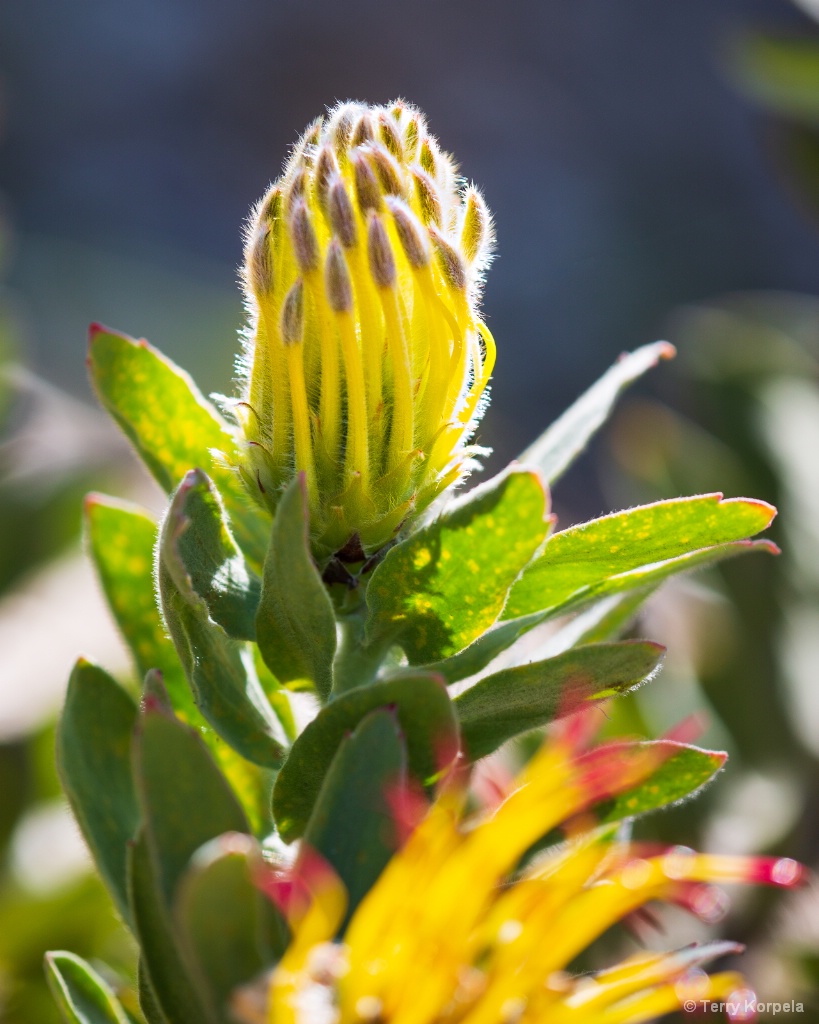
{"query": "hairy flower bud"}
[(367, 361)]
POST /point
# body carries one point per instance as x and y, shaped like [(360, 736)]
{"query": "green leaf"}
[(184, 798), (607, 555), (446, 584), (684, 771), (231, 931), (94, 760), (213, 565), (219, 668), (122, 539), (516, 700), (295, 624), (484, 650), (606, 620), (779, 72), (425, 715), (185, 803), (148, 1002), (643, 580), (556, 449), (352, 825), (81, 994), (164, 977), (172, 425)]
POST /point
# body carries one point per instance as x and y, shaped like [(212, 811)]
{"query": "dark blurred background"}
[(639, 181), (626, 178)]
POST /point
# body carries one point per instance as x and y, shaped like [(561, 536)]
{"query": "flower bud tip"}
[(410, 233), (293, 315), (337, 279), (341, 214), (366, 184), (305, 243), (382, 258)]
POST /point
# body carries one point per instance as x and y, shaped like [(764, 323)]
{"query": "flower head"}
[(455, 931), (366, 360)]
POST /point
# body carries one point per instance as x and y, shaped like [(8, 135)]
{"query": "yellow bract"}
[(366, 359), (452, 933)]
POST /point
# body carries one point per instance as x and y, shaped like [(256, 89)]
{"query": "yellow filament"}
[(487, 364), (330, 396), (438, 382), (456, 379), (372, 337), (301, 418), (402, 431), (280, 392), (357, 455)]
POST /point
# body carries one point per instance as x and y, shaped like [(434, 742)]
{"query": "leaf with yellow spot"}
[(171, 424), (436, 606), (594, 559), (639, 581), (683, 771)]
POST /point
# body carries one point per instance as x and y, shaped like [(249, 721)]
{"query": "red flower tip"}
[(779, 871)]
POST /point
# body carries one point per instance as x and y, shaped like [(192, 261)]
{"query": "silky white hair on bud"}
[(382, 258), (367, 188), (292, 320), (303, 234), (410, 233)]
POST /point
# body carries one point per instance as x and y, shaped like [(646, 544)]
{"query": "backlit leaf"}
[(518, 699), (94, 760), (295, 624), (595, 558), (171, 424), (446, 584), (425, 716), (559, 445), (81, 994)]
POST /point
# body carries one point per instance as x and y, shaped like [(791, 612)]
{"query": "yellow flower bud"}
[(366, 359)]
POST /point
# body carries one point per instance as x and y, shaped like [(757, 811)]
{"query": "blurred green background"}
[(654, 171)]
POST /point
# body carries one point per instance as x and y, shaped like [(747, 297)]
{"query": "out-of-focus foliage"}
[(780, 74), (51, 451), (751, 418)]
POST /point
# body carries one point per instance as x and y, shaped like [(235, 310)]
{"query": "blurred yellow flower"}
[(366, 359), (453, 930)]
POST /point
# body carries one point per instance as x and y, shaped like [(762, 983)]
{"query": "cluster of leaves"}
[(178, 795)]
